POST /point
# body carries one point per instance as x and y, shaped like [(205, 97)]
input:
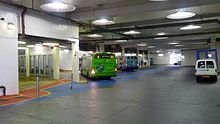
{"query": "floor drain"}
[(218, 105)]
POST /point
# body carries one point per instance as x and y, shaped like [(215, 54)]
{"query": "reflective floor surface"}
[(160, 95)]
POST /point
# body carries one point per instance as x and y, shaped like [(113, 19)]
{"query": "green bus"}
[(99, 65)]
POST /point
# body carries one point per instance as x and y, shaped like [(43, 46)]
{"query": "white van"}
[(206, 68)]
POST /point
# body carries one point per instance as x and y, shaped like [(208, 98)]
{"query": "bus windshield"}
[(104, 56)]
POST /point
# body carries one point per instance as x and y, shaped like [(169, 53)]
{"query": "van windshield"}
[(201, 64), (209, 64)]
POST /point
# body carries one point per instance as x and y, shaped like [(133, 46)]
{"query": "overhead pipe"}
[(154, 26), (24, 10), (151, 37)]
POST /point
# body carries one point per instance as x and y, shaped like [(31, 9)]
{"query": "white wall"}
[(8, 51), (50, 27), (189, 58), (161, 60), (65, 59)]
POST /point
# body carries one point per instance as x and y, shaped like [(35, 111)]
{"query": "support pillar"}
[(75, 61), (56, 70), (27, 62), (137, 54), (122, 51), (101, 47)]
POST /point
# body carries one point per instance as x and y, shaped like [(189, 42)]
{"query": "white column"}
[(137, 54), (75, 61), (101, 47), (56, 70), (122, 51), (27, 64)]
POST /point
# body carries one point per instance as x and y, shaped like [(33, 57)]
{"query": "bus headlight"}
[(93, 71)]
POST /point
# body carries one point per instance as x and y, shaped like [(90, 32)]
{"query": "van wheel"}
[(215, 79), (198, 79)]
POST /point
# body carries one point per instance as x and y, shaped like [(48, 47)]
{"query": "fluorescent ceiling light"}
[(131, 32), (22, 48), (150, 46), (190, 27), (61, 46), (142, 44), (66, 50), (103, 22), (21, 42), (158, 51), (181, 15), (57, 7), (160, 38), (158, 0), (173, 43), (160, 54), (94, 35), (161, 33), (179, 45), (121, 41), (50, 44), (32, 46)]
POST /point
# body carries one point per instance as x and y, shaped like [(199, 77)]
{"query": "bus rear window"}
[(201, 64), (209, 64), (133, 57), (104, 56)]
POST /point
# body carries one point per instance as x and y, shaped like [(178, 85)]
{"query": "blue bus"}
[(127, 63)]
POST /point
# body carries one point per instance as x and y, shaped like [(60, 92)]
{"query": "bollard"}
[(37, 86), (71, 87), (4, 90)]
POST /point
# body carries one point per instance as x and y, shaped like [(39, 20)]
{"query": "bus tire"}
[(198, 79), (215, 79)]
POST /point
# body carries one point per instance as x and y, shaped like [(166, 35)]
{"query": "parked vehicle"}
[(127, 63), (99, 65), (206, 68)]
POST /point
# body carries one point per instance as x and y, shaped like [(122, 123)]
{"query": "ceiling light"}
[(21, 42), (57, 6), (150, 46), (179, 45), (131, 32), (121, 41), (173, 43), (94, 35), (61, 46), (22, 48), (66, 50), (161, 33), (103, 22), (142, 44), (161, 38), (51, 44), (160, 54), (32, 46), (190, 27), (158, 0), (181, 15), (158, 51)]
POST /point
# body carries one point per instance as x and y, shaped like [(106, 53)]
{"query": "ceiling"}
[(147, 17)]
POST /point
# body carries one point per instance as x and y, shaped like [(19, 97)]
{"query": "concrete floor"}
[(167, 95)]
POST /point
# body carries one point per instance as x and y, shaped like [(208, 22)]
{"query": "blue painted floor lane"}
[(122, 77)]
